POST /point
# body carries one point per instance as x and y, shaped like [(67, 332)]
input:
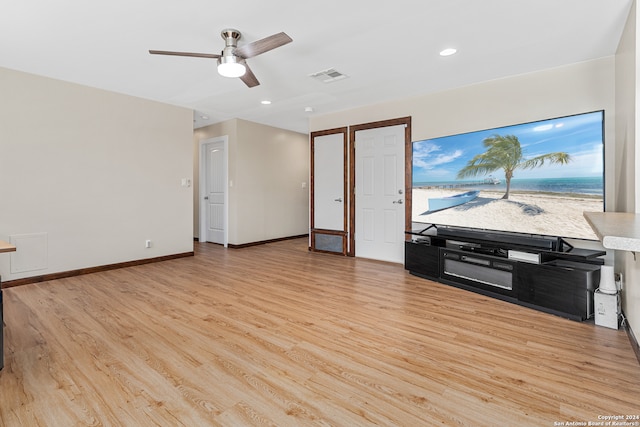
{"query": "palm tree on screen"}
[(505, 152)]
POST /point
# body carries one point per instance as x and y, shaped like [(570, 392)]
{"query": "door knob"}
[(339, 199), (398, 201), (206, 197)]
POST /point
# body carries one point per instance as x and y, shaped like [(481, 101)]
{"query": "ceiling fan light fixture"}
[(228, 66)]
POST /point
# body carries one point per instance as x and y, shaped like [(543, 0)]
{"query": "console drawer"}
[(480, 271)]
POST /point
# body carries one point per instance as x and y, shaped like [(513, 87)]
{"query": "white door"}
[(379, 189), (329, 182), (215, 188)]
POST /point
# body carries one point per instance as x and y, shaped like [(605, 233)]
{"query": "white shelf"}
[(616, 230)]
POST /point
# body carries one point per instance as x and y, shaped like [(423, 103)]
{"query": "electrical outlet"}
[(147, 243), (617, 277)]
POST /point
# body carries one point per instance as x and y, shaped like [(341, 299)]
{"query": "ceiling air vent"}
[(328, 76)]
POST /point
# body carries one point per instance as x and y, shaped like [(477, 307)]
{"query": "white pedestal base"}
[(607, 309)]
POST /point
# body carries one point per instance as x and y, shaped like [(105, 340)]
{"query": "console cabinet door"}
[(422, 259), (560, 287)]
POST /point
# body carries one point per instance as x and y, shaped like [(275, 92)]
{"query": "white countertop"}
[(616, 230)]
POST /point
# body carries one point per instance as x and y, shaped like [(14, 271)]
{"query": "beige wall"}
[(580, 87), (628, 159), (96, 171), (267, 167)]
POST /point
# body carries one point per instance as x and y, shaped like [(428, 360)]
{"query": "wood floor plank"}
[(275, 335)]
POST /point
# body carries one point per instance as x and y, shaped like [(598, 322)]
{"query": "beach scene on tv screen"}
[(535, 178)]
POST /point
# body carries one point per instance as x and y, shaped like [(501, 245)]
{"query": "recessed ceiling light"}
[(308, 109), (265, 102), (448, 52)]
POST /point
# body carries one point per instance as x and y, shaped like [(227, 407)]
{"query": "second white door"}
[(379, 193)]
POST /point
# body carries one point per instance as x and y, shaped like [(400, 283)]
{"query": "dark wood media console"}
[(538, 272)]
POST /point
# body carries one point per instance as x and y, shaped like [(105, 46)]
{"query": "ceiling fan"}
[(231, 61)]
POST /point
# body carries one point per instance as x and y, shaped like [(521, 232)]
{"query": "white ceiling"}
[(388, 49)]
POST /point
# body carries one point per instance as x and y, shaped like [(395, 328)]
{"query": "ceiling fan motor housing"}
[(230, 59)]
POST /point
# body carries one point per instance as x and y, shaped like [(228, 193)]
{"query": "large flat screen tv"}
[(534, 178)]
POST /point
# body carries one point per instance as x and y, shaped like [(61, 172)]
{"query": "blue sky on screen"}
[(440, 159)]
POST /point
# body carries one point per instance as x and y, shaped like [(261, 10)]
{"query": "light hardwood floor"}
[(274, 335)]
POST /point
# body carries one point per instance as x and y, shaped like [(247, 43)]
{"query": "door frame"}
[(344, 232), (202, 186), (408, 160)]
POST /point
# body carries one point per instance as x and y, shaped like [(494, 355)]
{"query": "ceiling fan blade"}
[(263, 45), (249, 78), (197, 55)]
